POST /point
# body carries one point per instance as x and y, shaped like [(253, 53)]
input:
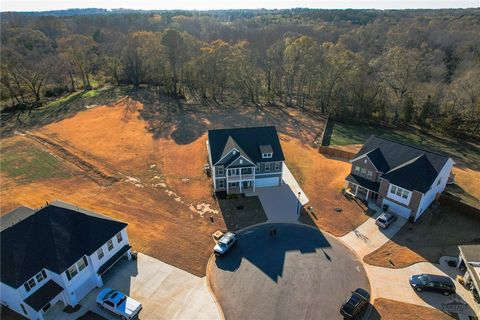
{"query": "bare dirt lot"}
[(437, 233), (152, 158), (394, 310)]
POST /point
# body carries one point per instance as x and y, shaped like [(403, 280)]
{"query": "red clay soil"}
[(386, 309), (322, 179)]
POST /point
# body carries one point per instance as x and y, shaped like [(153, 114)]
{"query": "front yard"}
[(437, 233), (239, 213), (387, 309), (322, 179)]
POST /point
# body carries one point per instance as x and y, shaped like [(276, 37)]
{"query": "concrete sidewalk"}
[(369, 237)]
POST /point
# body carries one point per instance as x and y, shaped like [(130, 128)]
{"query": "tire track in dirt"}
[(99, 176)]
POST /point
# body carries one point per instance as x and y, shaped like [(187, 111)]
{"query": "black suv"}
[(355, 304), (430, 282)]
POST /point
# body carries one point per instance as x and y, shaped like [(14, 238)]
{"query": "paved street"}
[(298, 274)]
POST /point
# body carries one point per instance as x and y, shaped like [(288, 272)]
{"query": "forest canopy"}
[(412, 66)]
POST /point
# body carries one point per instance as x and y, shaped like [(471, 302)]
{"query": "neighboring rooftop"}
[(471, 252), (53, 237), (15, 216), (250, 143), (403, 165)]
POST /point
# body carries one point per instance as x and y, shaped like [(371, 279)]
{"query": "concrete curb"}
[(210, 288)]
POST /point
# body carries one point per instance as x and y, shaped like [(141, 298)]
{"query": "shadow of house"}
[(119, 275), (271, 262)]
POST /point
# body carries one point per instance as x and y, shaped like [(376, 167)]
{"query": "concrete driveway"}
[(393, 284), (281, 203), (165, 292), (368, 236), (300, 273)]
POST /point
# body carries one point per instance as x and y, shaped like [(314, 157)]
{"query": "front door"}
[(247, 184)]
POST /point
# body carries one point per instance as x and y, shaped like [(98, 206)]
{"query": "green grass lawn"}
[(466, 152), (26, 162)]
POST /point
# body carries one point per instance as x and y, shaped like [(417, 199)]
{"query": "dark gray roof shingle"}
[(405, 166), (248, 140), (54, 238)]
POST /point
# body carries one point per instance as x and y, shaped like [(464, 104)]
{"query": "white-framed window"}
[(221, 184), (119, 237), (220, 170), (267, 155), (357, 170), (277, 166), (363, 172), (369, 174), (100, 254), (399, 192), (30, 284), (267, 166), (81, 265), (42, 275), (72, 271), (110, 245)]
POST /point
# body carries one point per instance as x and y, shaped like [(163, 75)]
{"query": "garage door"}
[(398, 209), (266, 182)]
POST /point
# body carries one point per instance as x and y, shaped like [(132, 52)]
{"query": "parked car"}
[(435, 283), (118, 303), (227, 241), (385, 219), (357, 301)]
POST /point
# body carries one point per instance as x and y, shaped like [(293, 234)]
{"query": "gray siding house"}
[(243, 159), (405, 178)]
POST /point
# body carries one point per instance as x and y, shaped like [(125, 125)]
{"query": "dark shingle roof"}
[(371, 185), (44, 295), (405, 166), (54, 238), (247, 141)]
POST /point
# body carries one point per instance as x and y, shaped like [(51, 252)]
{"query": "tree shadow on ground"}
[(252, 243)]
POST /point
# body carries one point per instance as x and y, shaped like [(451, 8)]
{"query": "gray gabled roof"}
[(15, 216), (247, 141), (404, 165), (54, 237)]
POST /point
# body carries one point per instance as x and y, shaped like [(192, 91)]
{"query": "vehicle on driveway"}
[(226, 242), (386, 219), (118, 303), (434, 283), (357, 301)]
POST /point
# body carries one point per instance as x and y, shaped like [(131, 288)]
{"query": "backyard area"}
[(437, 233)]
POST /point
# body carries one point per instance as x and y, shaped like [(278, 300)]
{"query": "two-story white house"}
[(404, 177), (56, 254), (243, 159)]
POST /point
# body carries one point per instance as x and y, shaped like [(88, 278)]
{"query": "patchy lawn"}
[(387, 309), (26, 162), (437, 233), (322, 179), (242, 212)]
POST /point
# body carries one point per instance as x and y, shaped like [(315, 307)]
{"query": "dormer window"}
[(267, 155), (266, 150)]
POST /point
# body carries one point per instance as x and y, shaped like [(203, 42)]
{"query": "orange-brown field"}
[(111, 161), (394, 310)]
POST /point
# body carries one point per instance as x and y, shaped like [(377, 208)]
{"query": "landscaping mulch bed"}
[(241, 212)]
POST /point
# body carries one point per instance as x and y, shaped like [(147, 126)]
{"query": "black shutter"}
[(27, 287), (85, 260), (68, 275), (44, 274)]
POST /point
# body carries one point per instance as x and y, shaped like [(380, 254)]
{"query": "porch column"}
[(366, 197), (356, 189)]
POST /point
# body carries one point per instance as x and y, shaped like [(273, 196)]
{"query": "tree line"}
[(419, 66)]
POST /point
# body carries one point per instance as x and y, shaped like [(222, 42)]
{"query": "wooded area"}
[(417, 66)]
